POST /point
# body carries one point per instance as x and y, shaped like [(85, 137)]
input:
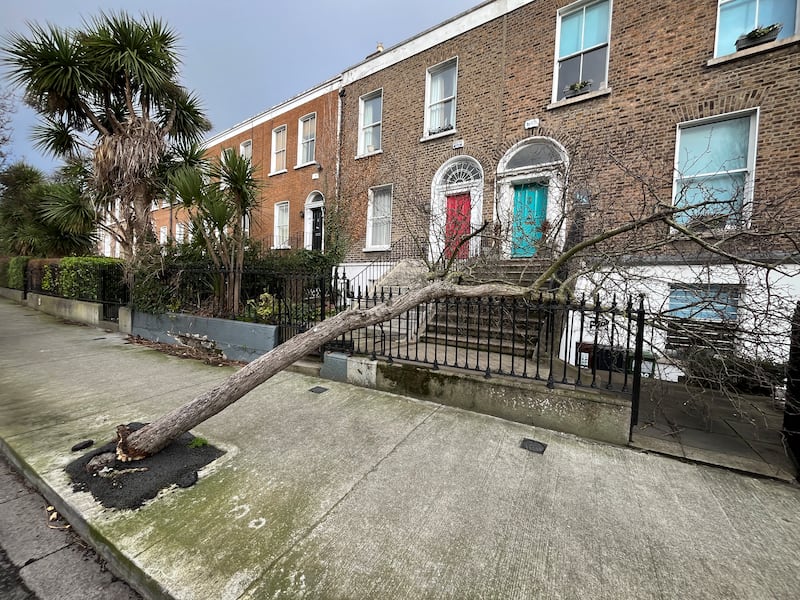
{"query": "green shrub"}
[(4, 260), (16, 272)]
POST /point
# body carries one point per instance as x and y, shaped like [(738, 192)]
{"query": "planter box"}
[(236, 340), (745, 42), (569, 93)]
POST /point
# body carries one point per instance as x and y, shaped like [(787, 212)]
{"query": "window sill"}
[(376, 249), (436, 136), (368, 154), (280, 247), (277, 172), (721, 60), (304, 165), (576, 99)]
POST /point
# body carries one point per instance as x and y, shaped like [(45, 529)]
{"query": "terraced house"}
[(523, 129)]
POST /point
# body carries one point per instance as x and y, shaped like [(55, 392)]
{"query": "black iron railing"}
[(568, 341)]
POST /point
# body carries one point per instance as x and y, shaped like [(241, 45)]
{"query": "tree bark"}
[(155, 436)]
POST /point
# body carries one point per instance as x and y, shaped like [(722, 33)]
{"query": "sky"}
[(242, 57)]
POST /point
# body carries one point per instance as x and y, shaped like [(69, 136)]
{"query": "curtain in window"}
[(308, 138), (442, 99), (381, 220), (279, 149), (282, 225)]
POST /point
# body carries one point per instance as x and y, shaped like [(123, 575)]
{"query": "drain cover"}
[(318, 389), (533, 446)]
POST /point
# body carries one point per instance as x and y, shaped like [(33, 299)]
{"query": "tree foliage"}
[(109, 95)]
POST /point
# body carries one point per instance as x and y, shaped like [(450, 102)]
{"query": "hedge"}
[(4, 260), (81, 277), (16, 272)]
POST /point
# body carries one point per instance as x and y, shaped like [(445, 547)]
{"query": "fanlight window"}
[(533, 154), (461, 172)]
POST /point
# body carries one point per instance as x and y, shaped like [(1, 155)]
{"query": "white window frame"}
[(758, 22), (163, 235), (371, 246), (301, 142), (273, 169), (277, 242), (565, 12), (429, 73), (246, 149), (750, 170), (363, 150)]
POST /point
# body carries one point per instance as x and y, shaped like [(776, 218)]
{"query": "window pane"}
[(443, 84), (713, 303), (595, 28), (735, 18), (721, 146), (372, 110), (569, 72), (778, 11), (594, 66), (719, 195), (570, 41)]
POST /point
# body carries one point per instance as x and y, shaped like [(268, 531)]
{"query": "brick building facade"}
[(293, 149)]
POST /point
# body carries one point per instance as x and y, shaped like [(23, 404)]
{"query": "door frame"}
[(314, 200), (552, 174), (439, 192)]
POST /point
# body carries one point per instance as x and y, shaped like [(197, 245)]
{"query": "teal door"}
[(530, 208)]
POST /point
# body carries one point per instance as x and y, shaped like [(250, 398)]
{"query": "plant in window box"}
[(759, 35), (441, 129), (578, 88)]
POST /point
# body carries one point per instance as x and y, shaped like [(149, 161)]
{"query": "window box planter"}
[(759, 35), (577, 88)]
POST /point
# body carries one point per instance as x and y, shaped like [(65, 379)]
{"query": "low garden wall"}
[(593, 414), (235, 340)]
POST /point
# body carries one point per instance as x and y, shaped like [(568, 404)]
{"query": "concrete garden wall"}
[(236, 340), (581, 411)]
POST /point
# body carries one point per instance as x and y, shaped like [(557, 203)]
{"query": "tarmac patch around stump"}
[(130, 484)]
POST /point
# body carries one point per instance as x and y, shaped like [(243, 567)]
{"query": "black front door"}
[(316, 228)]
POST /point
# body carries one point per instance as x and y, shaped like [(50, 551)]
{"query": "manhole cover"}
[(318, 389), (533, 446)]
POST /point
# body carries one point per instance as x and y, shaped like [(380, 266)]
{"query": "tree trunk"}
[(155, 436)]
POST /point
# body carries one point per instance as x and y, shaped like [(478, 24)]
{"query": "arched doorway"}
[(456, 209), (530, 198), (314, 222)]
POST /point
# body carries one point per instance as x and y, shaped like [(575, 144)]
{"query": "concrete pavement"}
[(352, 493)]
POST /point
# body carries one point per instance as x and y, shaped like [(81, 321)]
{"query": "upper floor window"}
[(246, 149), (180, 232), (582, 44), (440, 98), (369, 122), (714, 167), (278, 162), (751, 20), (307, 139), (379, 218)]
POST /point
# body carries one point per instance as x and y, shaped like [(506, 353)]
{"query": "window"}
[(740, 17), (180, 233), (379, 218), (369, 118), (162, 235), (702, 318), (440, 98), (278, 150), (307, 139), (714, 167), (246, 149), (281, 239), (582, 43)]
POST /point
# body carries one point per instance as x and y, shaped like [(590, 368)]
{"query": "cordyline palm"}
[(220, 198), (109, 88)]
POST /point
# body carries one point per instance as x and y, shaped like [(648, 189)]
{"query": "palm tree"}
[(221, 198), (110, 90)]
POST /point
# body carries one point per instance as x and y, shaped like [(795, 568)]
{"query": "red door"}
[(456, 227)]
